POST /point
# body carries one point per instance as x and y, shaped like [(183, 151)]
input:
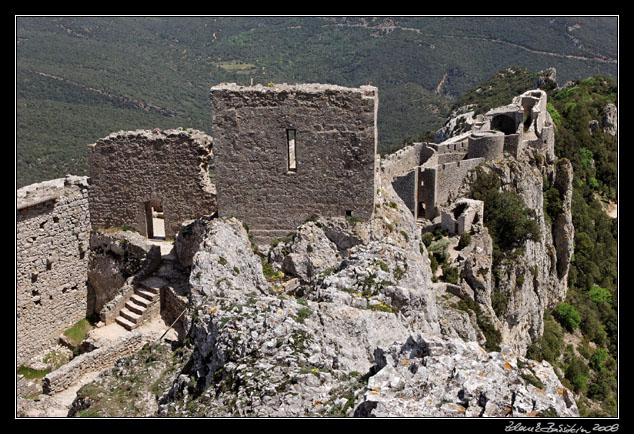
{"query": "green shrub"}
[(552, 204), (31, 374), (548, 346), (567, 316), (465, 240), (434, 263), (427, 238), (499, 302), (600, 295), (554, 114), (450, 274), (577, 373), (598, 359), (440, 249), (505, 214)]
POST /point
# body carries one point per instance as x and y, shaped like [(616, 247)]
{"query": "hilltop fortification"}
[(347, 314), (429, 175)]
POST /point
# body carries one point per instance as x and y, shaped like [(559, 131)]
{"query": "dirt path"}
[(58, 404)]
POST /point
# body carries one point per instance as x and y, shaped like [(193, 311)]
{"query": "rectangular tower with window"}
[(285, 153)]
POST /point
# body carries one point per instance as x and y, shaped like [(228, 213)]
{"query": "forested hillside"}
[(80, 78), (581, 334)]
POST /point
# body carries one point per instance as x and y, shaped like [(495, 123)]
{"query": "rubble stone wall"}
[(53, 231), (449, 178), (335, 138), (131, 170), (94, 361)]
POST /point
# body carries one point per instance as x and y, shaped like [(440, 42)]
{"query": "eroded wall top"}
[(286, 152), (132, 170)]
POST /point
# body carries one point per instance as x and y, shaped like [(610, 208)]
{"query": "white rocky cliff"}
[(356, 332)]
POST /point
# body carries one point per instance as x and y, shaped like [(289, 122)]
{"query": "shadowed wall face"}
[(286, 153), (137, 176)]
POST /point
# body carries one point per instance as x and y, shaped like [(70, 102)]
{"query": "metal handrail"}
[(170, 327)]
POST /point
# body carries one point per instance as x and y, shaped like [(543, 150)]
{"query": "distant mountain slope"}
[(80, 78)]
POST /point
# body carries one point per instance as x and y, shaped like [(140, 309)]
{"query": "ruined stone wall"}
[(115, 257), (402, 161), (94, 361), (335, 138), (402, 168), (427, 192), (453, 149), (53, 231), (486, 144), (449, 178), (405, 187), (129, 170)]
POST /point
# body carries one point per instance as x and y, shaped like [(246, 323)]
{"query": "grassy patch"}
[(78, 332), (55, 359), (302, 314), (32, 374)]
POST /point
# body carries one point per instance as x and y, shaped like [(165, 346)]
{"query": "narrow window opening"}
[(348, 213), (292, 158)]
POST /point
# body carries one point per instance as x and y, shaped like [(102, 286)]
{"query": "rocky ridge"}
[(344, 317), (354, 332)]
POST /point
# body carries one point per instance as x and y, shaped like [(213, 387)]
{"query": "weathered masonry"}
[(53, 231), (427, 176), (147, 179), (285, 153)]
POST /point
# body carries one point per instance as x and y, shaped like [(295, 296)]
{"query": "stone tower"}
[(285, 153)]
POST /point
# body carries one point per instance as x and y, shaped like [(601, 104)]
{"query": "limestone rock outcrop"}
[(610, 119), (431, 377), (311, 253), (364, 339)]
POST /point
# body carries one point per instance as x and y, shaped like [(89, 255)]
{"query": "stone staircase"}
[(144, 302)]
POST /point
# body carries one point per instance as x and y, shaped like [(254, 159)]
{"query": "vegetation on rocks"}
[(591, 305), (507, 217)]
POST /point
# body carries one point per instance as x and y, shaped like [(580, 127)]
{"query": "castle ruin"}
[(138, 175), (282, 154), (427, 176), (52, 238), (285, 153)]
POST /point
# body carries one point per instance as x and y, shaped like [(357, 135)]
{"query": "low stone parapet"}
[(97, 360)]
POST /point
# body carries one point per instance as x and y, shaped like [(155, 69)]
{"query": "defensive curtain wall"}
[(53, 231), (285, 153), (427, 176), (136, 174)]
